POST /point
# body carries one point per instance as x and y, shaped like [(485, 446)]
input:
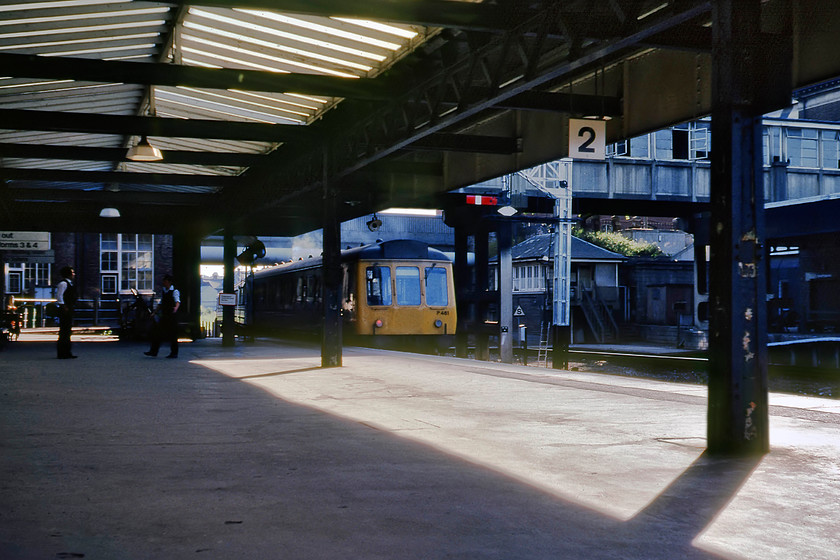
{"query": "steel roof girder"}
[(487, 53), (43, 151), (105, 196), (580, 104), (17, 119), (165, 74), (344, 164), (66, 176)]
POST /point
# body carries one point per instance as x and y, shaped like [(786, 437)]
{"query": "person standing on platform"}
[(65, 295), (166, 320)]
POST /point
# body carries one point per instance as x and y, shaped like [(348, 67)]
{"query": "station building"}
[(110, 267)]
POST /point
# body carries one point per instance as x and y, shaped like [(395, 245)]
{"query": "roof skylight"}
[(56, 4), (383, 27), (88, 29), (255, 65), (321, 28), (277, 46), (291, 36), (89, 15)]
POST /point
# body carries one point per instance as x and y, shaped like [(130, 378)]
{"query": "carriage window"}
[(408, 285), (310, 288), (378, 285), (436, 292)]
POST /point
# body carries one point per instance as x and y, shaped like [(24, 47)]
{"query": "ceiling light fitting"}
[(144, 151), (109, 213)]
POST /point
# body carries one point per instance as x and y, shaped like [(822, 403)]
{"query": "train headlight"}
[(378, 324), (438, 323)]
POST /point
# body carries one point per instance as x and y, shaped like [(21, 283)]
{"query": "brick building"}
[(109, 266)]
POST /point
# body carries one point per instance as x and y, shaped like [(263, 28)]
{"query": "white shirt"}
[(61, 288), (176, 295)]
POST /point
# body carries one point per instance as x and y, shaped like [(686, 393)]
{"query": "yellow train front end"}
[(405, 303)]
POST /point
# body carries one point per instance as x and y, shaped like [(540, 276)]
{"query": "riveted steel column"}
[(186, 268), (504, 234), (462, 287), (228, 311), (331, 343), (738, 415), (482, 271)]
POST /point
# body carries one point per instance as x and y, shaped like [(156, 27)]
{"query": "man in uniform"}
[(65, 295), (166, 327)]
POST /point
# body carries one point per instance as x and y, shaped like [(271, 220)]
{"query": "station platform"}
[(255, 452)]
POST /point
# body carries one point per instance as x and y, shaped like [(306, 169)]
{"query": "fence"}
[(35, 312), (213, 329)]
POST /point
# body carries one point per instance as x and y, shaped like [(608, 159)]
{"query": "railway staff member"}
[(65, 295), (166, 326)]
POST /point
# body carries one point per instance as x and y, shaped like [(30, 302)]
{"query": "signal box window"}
[(436, 292), (378, 285)]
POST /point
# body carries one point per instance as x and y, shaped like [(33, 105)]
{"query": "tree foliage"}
[(617, 243)]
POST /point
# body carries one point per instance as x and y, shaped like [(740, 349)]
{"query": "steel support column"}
[(504, 234), (331, 343), (186, 262), (738, 415), (228, 311), (482, 270), (462, 285)]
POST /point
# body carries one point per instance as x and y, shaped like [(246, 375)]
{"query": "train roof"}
[(393, 249)]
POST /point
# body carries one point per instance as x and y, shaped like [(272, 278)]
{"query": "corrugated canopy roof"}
[(263, 108), (208, 37)]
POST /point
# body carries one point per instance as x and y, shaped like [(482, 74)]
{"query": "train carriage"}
[(395, 294)]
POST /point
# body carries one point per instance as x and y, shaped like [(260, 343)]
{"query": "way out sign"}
[(587, 138)]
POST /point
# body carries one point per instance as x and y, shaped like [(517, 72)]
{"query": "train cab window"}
[(378, 280), (408, 285), (436, 292)]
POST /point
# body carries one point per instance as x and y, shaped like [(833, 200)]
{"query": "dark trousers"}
[(165, 330), (65, 329)]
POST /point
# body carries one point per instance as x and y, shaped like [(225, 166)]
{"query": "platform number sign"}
[(587, 139)]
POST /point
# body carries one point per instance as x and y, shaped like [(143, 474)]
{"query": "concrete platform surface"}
[(255, 452)]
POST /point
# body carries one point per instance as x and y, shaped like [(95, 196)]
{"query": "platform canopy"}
[(256, 104)]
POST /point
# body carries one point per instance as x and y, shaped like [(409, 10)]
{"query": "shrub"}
[(617, 243)]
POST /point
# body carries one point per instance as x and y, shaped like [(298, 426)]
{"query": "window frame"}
[(386, 290), (399, 287), (428, 272), (131, 258)]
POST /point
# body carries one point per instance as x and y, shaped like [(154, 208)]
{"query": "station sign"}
[(227, 299), (24, 240), (587, 139)]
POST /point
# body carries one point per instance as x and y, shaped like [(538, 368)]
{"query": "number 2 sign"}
[(587, 139)]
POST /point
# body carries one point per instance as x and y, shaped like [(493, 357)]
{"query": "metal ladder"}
[(542, 353)]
